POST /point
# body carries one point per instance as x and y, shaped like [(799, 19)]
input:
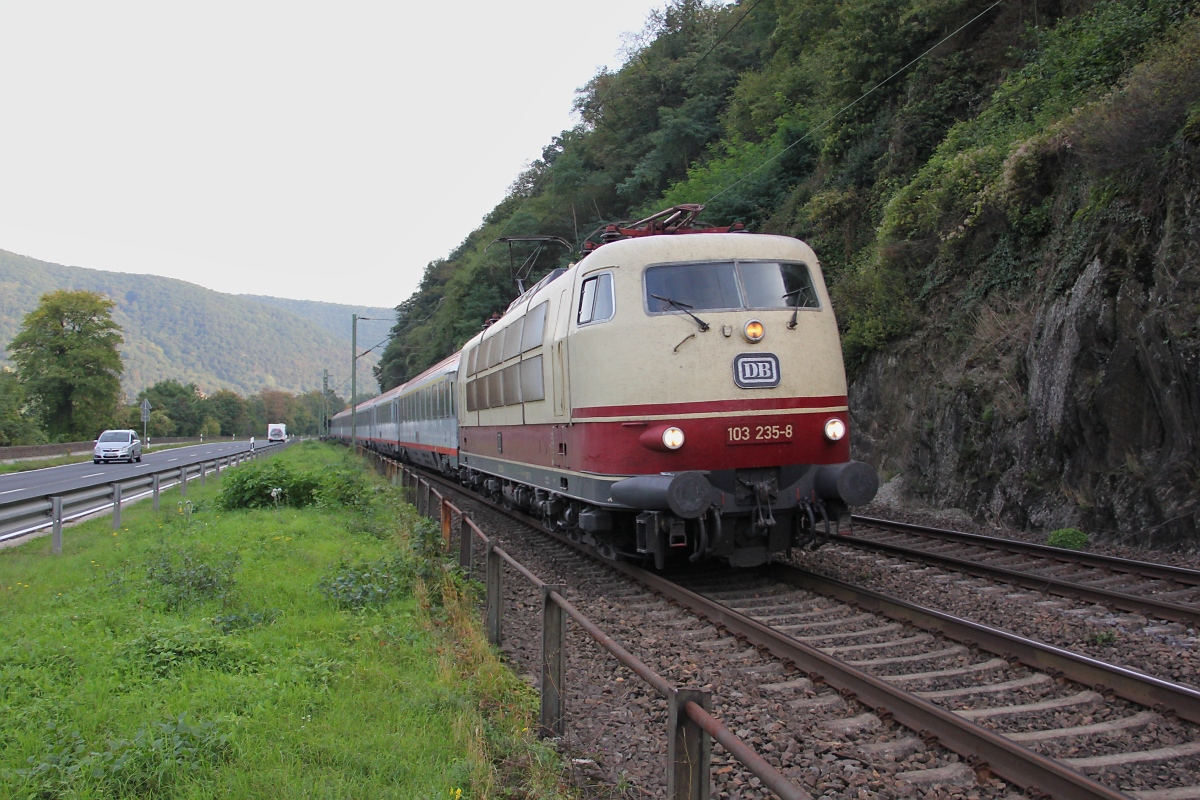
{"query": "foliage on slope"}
[(335, 317), (900, 137), (180, 331)]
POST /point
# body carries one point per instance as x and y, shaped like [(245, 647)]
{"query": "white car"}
[(123, 445)]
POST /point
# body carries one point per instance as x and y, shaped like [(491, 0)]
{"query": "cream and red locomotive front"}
[(678, 393)]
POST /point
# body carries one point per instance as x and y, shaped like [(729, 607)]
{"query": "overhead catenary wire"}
[(855, 102)]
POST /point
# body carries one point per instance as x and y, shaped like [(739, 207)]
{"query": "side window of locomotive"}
[(471, 360), (535, 326), (495, 348), (770, 284), (512, 339), (596, 299), (672, 288), (532, 387)]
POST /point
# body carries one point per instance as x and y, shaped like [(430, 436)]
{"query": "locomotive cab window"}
[(728, 286), (596, 299)]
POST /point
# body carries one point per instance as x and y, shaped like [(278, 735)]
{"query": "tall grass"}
[(200, 652)]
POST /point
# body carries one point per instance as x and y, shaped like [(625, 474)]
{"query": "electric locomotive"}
[(678, 393)]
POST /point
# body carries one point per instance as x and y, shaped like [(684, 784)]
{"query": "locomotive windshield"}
[(729, 286)]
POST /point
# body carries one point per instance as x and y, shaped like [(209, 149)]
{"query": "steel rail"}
[(771, 778), (1137, 687), (985, 749), (1147, 569), (1158, 609)]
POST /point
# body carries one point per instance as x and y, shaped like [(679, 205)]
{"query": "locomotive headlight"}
[(753, 331), (835, 429), (672, 438)]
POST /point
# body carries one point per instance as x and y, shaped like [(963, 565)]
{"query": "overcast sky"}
[(316, 151)]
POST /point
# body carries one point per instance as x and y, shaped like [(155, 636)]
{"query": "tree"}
[(68, 362), (17, 425), (229, 409), (181, 403), (277, 405), (160, 424)]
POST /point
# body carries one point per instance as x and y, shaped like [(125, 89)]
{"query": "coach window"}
[(596, 299), (471, 360)]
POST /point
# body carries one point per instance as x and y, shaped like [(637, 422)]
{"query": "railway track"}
[(1046, 719), (881, 684), (1159, 591)]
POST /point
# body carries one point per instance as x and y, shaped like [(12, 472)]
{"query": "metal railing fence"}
[(691, 727), (20, 518)]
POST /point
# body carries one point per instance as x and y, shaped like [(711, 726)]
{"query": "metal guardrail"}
[(691, 727), (22, 517)]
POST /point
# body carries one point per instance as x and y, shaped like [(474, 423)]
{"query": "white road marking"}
[(169, 460), (10, 491), (93, 475)]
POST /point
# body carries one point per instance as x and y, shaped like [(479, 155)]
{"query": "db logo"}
[(756, 371)]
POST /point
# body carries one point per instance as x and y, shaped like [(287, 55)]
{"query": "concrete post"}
[(183, 481), (154, 488)]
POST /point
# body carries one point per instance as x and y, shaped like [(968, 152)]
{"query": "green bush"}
[(167, 649), (1068, 539), (343, 486), (357, 586), (186, 580), (251, 486), (145, 765)]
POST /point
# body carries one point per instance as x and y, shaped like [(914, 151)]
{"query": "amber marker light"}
[(672, 438), (835, 429), (753, 331)]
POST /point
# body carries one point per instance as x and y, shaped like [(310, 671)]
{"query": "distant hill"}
[(175, 329), (335, 318)]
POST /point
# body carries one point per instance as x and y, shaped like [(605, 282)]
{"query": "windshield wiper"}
[(684, 307), (803, 290)]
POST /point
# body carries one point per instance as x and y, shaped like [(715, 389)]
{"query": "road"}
[(37, 483)]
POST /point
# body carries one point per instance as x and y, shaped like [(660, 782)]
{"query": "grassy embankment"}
[(322, 651)]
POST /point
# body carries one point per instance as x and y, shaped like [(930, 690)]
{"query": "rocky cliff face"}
[(1075, 402)]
